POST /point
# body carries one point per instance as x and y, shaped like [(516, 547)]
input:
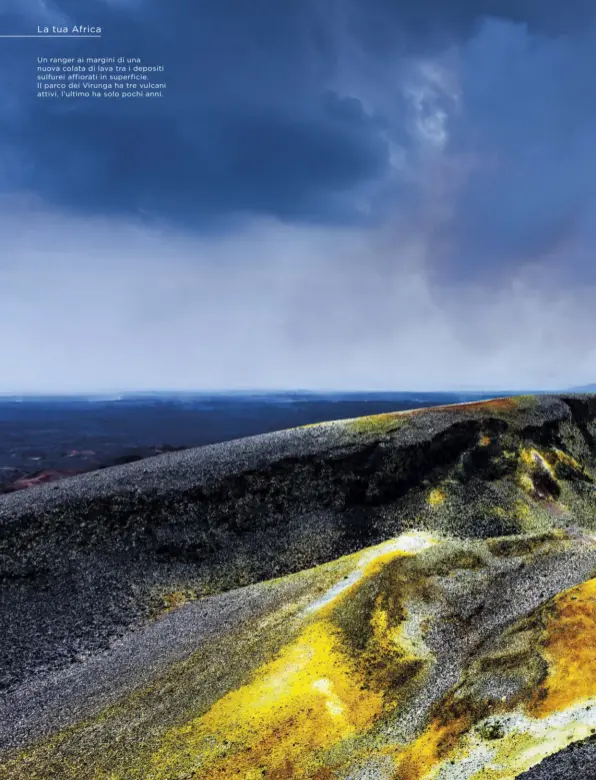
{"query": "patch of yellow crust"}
[(532, 458), (563, 457), (522, 510), (437, 497), (378, 423), (484, 441), (550, 721), (526, 484), (437, 742), (309, 698), (389, 421), (313, 696), (534, 467), (569, 639)]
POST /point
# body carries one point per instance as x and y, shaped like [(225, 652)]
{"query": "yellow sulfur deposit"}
[(314, 695), (436, 497), (309, 698), (569, 642), (562, 710)]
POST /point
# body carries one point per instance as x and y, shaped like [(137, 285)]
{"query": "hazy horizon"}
[(92, 392)]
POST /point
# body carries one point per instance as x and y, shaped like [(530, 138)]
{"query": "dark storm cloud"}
[(247, 123), (529, 118), (427, 23), (252, 121)]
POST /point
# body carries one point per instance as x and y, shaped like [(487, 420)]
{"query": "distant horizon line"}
[(279, 391)]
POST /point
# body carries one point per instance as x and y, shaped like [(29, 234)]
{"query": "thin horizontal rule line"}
[(50, 35)]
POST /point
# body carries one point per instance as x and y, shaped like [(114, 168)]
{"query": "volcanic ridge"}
[(408, 596)]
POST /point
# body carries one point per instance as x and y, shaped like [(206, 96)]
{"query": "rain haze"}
[(365, 195)]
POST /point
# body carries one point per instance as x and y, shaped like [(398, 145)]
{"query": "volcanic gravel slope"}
[(432, 613)]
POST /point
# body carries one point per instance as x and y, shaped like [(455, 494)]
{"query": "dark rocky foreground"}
[(87, 560), (578, 761)]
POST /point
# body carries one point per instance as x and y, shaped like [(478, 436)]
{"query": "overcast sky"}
[(346, 194)]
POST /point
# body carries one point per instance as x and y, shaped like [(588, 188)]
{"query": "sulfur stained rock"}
[(406, 597)]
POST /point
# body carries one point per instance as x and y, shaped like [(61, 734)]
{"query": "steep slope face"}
[(418, 659), (443, 635), (106, 549)]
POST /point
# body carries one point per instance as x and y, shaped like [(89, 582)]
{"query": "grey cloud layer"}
[(94, 305), (364, 193)]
